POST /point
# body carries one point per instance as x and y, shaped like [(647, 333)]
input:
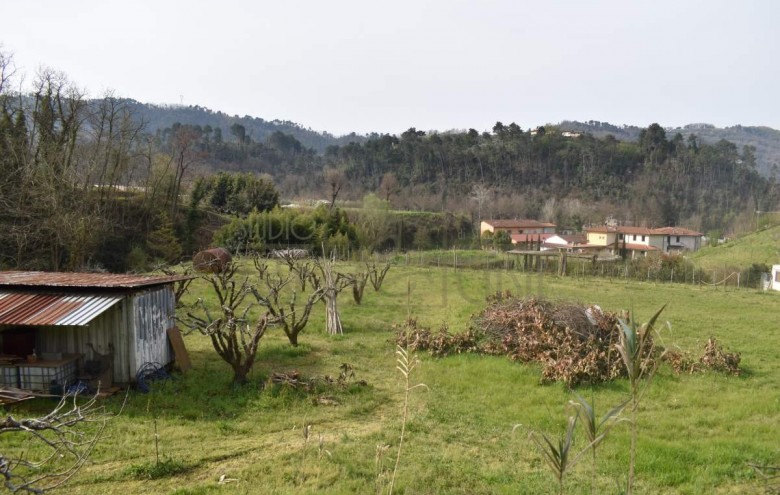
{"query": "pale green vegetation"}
[(696, 433), (762, 247)]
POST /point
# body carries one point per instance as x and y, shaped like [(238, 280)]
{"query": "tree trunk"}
[(332, 318), (240, 374)]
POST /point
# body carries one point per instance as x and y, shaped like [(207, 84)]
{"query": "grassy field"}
[(759, 247), (697, 433)]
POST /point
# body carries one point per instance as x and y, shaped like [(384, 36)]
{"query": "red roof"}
[(623, 229), (630, 230), (83, 280), (677, 231), (518, 224)]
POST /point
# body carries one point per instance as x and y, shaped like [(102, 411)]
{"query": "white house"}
[(775, 277), (564, 242), (675, 239)]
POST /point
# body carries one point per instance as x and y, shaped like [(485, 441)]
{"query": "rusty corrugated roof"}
[(83, 280), (32, 308)]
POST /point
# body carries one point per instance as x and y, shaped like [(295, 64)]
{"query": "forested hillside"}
[(158, 117), (88, 183), (764, 140), (658, 180)]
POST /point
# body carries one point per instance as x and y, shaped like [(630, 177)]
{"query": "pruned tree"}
[(377, 275), (358, 282), (302, 268), (57, 446), (331, 283), (286, 312), (233, 335)]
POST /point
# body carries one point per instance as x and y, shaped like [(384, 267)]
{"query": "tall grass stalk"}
[(156, 433), (558, 454), (596, 429), (406, 364), (637, 350)]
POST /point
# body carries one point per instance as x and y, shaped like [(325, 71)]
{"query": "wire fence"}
[(674, 269)]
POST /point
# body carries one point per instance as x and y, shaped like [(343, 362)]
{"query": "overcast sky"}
[(367, 66)]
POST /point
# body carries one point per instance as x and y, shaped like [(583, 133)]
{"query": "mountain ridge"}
[(765, 139)]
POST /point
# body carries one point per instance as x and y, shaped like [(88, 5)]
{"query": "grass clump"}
[(153, 470)]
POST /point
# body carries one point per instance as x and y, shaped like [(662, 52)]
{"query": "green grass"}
[(696, 435), (762, 247)]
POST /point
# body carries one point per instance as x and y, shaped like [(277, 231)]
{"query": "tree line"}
[(83, 183)]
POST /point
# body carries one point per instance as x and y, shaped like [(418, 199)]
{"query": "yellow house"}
[(639, 241)]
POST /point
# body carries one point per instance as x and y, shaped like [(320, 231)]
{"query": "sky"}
[(369, 66)]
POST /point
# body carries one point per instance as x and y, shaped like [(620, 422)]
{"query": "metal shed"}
[(56, 323)]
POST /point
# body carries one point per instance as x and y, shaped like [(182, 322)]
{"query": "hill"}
[(765, 140), (762, 247), (159, 117)]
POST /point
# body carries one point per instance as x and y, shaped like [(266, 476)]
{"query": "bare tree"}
[(358, 282), (180, 287), (389, 186), (7, 69), (335, 180), (65, 442), (377, 275), (233, 336), (302, 268), (289, 314), (185, 154), (480, 193)]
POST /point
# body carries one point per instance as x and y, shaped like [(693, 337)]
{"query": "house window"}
[(620, 236), (634, 236), (668, 239), (678, 238), (643, 238)]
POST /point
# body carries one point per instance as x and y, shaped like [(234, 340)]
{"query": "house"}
[(516, 227), (530, 241), (568, 243), (55, 327), (675, 239), (775, 280), (638, 241)]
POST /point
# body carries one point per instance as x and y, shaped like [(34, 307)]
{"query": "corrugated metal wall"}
[(110, 327), (153, 314), (136, 327)]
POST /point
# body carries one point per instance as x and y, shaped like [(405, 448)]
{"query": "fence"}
[(652, 269)]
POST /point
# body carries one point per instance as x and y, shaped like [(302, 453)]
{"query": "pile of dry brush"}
[(713, 358), (573, 343), (317, 386)]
